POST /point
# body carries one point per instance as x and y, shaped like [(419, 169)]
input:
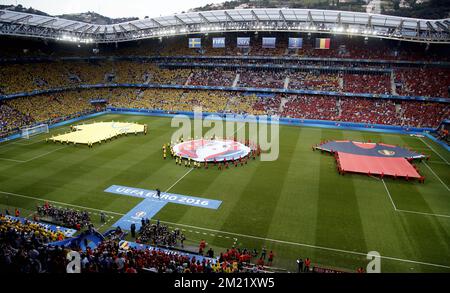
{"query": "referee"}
[(158, 193)]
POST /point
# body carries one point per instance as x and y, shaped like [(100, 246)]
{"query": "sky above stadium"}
[(113, 8)]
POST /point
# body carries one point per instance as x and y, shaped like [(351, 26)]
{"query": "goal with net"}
[(34, 130)]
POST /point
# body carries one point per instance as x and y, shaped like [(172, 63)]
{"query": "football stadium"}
[(245, 139)]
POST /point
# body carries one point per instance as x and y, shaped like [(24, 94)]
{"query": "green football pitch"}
[(297, 205)]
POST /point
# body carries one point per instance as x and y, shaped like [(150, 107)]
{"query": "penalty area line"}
[(411, 212), (247, 236), (34, 158), (44, 154), (445, 185), (431, 148)]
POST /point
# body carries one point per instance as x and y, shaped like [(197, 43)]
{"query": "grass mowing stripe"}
[(297, 206), (338, 202), (243, 235), (78, 176)]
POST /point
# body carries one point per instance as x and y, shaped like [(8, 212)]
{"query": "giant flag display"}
[(218, 43), (195, 43), (243, 42), (322, 43), (269, 42), (295, 43)]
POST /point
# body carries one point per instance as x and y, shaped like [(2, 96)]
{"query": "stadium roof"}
[(237, 20)]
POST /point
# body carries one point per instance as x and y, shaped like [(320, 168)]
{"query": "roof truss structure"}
[(223, 21)]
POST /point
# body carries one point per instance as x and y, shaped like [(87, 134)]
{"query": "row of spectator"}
[(68, 217), (16, 78), (159, 234), (24, 247), (51, 108)]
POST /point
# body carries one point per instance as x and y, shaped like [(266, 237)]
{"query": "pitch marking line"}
[(390, 197), (26, 144), (34, 158), (190, 170), (12, 160), (106, 222), (60, 203), (179, 180), (244, 235), (14, 142), (412, 212), (307, 245), (431, 148), (44, 154), (5, 144), (421, 213), (448, 189), (437, 162)]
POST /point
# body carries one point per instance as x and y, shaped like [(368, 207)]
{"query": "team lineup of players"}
[(223, 164)]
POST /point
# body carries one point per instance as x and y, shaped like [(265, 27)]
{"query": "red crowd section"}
[(363, 83), (423, 82)]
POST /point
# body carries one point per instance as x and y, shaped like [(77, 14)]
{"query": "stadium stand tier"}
[(52, 108), (350, 66)]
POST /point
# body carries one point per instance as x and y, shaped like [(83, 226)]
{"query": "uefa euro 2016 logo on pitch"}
[(229, 136), (139, 215), (386, 152)]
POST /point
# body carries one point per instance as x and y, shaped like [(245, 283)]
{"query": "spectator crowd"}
[(422, 81), (159, 234), (64, 216), (25, 248), (51, 108)]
